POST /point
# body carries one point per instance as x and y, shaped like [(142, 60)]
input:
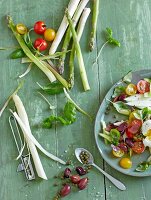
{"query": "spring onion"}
[(94, 24), (79, 54), (80, 29), (9, 98), (27, 71), (54, 56), (68, 35), (63, 26)]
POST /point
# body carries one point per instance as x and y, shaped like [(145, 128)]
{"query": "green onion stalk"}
[(80, 29), (78, 53), (94, 24), (50, 73), (68, 35)]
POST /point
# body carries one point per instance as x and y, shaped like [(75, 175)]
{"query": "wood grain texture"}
[(130, 21)]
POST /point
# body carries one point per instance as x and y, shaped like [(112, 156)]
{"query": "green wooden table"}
[(131, 22)]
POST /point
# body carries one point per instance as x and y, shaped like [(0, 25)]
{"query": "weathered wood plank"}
[(130, 21)]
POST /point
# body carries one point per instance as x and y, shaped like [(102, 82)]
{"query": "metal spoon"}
[(116, 182)]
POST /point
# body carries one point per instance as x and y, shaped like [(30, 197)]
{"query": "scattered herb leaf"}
[(52, 88), (68, 117)]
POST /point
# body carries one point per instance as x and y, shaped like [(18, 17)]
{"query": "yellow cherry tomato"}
[(21, 29), (131, 89), (49, 34), (125, 163), (118, 153)]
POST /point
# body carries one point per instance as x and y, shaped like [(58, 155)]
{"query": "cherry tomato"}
[(138, 147), (40, 44), (132, 116), (131, 89), (129, 134), (125, 163), (137, 122), (118, 153), (39, 27), (143, 86), (49, 34), (21, 29), (133, 128)]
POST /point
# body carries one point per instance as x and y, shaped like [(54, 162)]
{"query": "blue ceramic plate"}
[(104, 149)]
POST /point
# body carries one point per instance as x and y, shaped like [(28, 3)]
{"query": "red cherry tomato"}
[(40, 44), (134, 127), (138, 147), (143, 86), (137, 122), (39, 27), (129, 134)]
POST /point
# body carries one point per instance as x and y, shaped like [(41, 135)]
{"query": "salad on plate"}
[(131, 135)]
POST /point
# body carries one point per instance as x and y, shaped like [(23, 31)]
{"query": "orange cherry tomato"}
[(49, 34)]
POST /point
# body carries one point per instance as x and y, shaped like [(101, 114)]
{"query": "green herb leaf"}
[(114, 42), (128, 77), (68, 117), (110, 39), (145, 112), (19, 53), (122, 108), (142, 167), (109, 32), (115, 136), (118, 91), (53, 88)]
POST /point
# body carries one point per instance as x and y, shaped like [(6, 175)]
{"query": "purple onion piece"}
[(129, 142), (110, 126), (115, 148), (122, 127), (122, 97), (123, 147)]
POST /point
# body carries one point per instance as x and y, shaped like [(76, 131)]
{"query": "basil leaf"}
[(68, 117), (122, 108), (19, 53), (53, 88), (128, 77), (118, 91), (142, 167)]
